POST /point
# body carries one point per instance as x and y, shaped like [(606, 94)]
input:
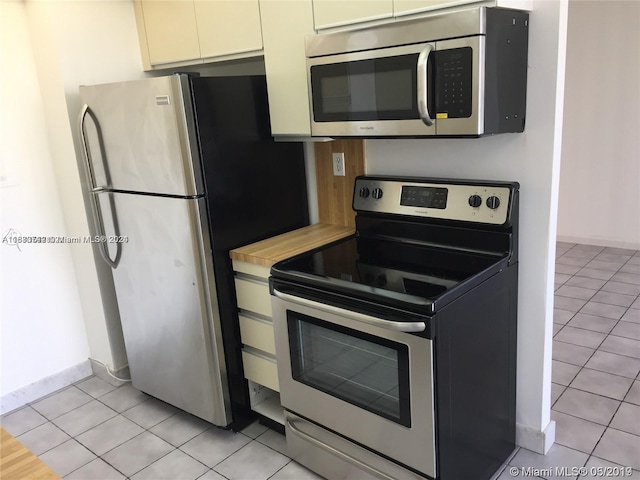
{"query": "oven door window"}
[(365, 370), (372, 89)]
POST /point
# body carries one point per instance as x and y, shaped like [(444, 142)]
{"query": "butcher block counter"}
[(272, 250), (251, 266)]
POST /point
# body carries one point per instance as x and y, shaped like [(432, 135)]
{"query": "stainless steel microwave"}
[(457, 74)]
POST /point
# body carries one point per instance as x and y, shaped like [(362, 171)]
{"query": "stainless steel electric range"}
[(396, 347)]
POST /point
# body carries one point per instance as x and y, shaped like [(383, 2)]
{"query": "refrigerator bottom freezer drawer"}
[(167, 303)]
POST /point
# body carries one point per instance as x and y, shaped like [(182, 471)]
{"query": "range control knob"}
[(475, 201), (377, 193), (493, 202), (364, 192)]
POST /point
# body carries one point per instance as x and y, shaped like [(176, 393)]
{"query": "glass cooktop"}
[(415, 273)]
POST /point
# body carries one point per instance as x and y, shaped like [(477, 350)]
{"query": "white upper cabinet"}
[(408, 7), (333, 13), (190, 31), (171, 33), (228, 27), (336, 13), (285, 24)]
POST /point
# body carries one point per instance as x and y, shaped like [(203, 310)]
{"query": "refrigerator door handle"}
[(94, 191)]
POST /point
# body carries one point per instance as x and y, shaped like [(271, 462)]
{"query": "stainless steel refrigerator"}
[(180, 170)]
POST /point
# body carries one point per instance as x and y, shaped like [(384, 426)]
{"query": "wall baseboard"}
[(45, 386), (103, 372), (539, 442), (599, 242)]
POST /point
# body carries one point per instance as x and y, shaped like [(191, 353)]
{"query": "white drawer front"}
[(260, 370), (257, 334), (251, 269), (253, 296)]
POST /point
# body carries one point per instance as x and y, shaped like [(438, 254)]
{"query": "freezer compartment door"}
[(168, 307), (140, 136)]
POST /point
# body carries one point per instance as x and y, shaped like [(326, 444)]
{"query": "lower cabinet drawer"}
[(253, 296), (257, 334), (260, 370)]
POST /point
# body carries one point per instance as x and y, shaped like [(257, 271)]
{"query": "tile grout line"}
[(596, 370), (583, 367), (74, 437), (175, 448), (121, 414), (595, 331), (145, 430)]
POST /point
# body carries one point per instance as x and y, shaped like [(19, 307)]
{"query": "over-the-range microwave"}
[(457, 74)]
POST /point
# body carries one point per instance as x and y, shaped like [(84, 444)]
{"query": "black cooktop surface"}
[(399, 273)]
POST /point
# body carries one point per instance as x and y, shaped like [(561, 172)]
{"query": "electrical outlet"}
[(338, 164)]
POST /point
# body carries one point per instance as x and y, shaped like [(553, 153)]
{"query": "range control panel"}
[(465, 201)]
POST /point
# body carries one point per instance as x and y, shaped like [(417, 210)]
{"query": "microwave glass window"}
[(336, 94), (364, 370), (389, 97), (375, 89)]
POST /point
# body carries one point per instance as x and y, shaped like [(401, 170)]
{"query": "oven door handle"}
[(320, 444), (359, 317)]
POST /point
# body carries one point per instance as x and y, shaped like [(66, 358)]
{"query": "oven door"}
[(361, 376)]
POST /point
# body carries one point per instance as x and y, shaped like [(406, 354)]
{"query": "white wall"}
[(531, 158), (600, 175), (42, 325), (78, 43)]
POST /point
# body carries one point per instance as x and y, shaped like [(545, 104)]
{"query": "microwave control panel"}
[(453, 81), (481, 203)]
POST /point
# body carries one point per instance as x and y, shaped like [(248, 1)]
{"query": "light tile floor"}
[(95, 431)]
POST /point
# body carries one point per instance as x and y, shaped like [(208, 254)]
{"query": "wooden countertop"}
[(272, 250)]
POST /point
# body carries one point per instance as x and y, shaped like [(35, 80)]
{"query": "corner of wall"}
[(536, 441)]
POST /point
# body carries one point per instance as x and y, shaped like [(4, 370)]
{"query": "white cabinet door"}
[(261, 370), (187, 31), (257, 333), (406, 7), (332, 13), (253, 296), (228, 27), (171, 31), (285, 24)]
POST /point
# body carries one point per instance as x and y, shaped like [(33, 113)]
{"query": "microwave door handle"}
[(358, 317), (423, 85)]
